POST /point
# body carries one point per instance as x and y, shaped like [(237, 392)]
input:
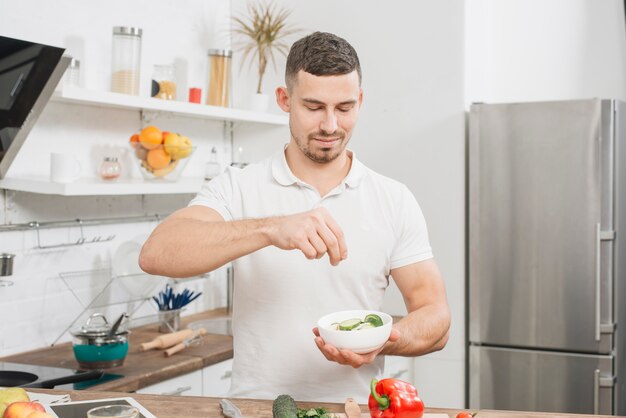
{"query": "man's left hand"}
[(348, 357)]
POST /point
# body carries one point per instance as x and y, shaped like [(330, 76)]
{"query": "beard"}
[(324, 154)]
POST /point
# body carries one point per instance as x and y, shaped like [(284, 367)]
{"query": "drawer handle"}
[(227, 375), (177, 391)]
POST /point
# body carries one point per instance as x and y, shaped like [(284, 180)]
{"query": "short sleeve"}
[(217, 194), (412, 244)]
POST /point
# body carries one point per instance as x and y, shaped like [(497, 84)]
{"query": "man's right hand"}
[(315, 233)]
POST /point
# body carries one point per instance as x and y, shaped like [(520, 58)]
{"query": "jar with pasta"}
[(219, 77)]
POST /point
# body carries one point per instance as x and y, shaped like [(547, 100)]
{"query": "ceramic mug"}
[(64, 168)]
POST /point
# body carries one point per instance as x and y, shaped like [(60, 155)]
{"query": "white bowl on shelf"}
[(359, 341)]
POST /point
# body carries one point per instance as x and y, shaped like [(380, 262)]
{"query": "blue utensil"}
[(167, 300)]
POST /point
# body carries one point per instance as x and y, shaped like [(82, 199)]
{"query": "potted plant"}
[(262, 33)]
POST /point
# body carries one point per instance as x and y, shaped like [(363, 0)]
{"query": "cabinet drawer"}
[(189, 384), (216, 379)]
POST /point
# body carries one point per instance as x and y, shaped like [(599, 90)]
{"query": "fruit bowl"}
[(161, 155), (359, 339), (162, 162)]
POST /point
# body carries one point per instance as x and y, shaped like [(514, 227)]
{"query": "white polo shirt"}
[(279, 295)]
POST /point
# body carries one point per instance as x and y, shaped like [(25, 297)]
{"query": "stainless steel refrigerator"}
[(546, 265)]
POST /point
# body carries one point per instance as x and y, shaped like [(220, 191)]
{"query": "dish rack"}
[(100, 289)]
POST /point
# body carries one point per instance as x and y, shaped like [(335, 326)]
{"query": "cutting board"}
[(367, 415)]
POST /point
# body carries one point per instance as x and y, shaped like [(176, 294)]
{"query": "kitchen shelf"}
[(108, 99), (92, 187)]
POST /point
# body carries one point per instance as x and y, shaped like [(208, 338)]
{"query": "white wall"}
[(38, 308), (411, 128), (537, 50)]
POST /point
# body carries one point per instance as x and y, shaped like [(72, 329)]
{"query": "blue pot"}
[(94, 348)]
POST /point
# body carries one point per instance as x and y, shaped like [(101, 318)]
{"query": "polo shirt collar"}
[(283, 175)]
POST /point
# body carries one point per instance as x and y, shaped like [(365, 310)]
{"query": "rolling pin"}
[(167, 340), (178, 347)]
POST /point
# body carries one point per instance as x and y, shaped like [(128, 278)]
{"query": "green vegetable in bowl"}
[(373, 319), (349, 324), (370, 321)]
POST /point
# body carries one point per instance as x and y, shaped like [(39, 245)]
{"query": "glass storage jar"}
[(164, 82), (110, 169), (219, 77), (72, 74), (126, 59)]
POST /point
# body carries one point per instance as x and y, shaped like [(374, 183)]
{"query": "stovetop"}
[(46, 373)]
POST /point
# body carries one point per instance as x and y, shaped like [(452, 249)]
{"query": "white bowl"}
[(360, 341)]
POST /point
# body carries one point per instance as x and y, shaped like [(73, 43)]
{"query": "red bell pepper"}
[(393, 398)]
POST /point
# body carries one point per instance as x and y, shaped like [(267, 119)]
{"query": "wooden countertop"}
[(142, 369), (202, 407)]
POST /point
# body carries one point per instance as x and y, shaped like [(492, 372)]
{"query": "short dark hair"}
[(321, 53)]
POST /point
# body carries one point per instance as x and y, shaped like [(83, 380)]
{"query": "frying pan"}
[(10, 378)]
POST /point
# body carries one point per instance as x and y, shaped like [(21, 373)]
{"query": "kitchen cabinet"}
[(93, 186), (211, 381), (189, 384), (216, 379)]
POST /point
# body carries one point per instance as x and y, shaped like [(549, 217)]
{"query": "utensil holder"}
[(169, 321), (6, 264)]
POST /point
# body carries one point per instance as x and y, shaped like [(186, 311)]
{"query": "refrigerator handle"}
[(596, 391), (600, 382), (601, 236), (597, 291)]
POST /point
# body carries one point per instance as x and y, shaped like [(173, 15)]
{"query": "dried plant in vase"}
[(262, 34)]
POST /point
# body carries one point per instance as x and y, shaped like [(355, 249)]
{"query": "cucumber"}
[(284, 407), (364, 325), (349, 324), (374, 319)]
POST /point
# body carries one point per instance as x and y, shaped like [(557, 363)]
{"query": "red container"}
[(195, 95)]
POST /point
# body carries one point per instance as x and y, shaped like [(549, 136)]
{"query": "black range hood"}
[(29, 73)]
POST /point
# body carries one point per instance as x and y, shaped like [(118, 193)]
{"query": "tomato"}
[(466, 415)]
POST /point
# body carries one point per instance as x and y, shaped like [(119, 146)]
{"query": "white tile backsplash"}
[(38, 308)]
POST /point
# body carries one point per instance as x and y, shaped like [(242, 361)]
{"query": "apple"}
[(177, 146), (22, 409), (10, 395), (39, 414)]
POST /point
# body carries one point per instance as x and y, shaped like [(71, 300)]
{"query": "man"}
[(350, 228)]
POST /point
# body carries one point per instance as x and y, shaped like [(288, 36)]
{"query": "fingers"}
[(395, 335), (342, 248), (343, 357), (332, 235), (314, 233), (332, 245), (308, 250), (319, 245)]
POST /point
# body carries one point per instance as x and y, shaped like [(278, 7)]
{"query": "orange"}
[(150, 137), (134, 140), (158, 158)]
